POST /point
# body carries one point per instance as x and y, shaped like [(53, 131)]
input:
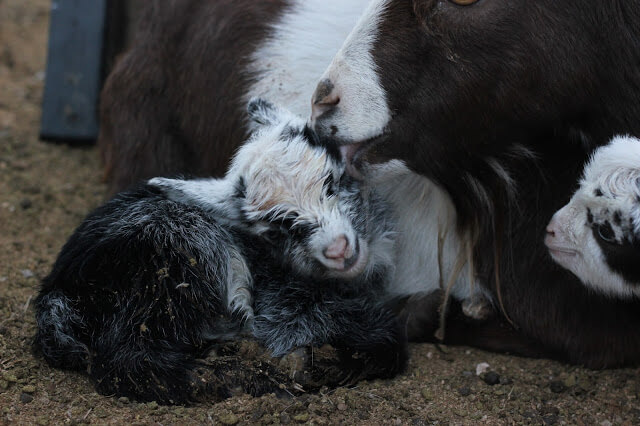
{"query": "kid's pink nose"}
[(551, 227), (337, 249)]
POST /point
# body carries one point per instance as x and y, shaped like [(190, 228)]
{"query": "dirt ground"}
[(45, 191)]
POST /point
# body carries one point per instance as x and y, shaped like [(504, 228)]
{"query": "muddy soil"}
[(45, 191)]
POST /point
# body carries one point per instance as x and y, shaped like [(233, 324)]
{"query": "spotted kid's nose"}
[(324, 99), (551, 228), (338, 249)]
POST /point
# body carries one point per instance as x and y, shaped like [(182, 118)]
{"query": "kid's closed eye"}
[(274, 233)]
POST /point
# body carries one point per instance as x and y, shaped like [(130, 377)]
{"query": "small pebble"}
[(585, 384), (300, 418), (42, 421), (228, 419), (570, 381), (123, 399), (25, 398), (465, 391), (363, 415), (505, 380), (11, 378), (27, 273), (101, 413), (257, 415), (491, 378), (460, 413), (426, 394), (557, 387), (285, 419), (342, 406), (28, 389), (483, 367)]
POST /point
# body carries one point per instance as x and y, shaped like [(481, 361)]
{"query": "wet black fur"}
[(116, 305)]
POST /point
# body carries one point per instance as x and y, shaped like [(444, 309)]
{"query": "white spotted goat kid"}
[(597, 234)]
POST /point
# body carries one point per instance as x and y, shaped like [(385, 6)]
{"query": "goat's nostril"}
[(324, 99), (337, 249), (324, 93)]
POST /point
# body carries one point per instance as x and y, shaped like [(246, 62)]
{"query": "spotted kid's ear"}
[(262, 112)]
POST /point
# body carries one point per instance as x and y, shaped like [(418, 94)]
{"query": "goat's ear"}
[(262, 111)]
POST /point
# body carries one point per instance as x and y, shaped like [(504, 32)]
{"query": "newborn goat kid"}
[(285, 248), (597, 235)]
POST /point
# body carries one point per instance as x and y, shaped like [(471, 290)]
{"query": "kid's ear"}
[(262, 112)]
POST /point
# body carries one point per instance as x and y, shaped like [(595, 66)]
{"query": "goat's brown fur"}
[(156, 107)]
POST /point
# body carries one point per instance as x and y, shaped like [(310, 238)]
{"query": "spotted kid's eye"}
[(605, 233), (463, 2)]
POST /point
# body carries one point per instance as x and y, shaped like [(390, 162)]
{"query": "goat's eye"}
[(463, 2), (605, 233)]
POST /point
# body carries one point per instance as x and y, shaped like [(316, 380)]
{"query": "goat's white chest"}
[(424, 213)]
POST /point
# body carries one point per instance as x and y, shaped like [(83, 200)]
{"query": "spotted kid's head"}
[(295, 195), (597, 235)]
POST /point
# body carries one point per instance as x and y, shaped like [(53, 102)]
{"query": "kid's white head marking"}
[(282, 173), (287, 180)]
